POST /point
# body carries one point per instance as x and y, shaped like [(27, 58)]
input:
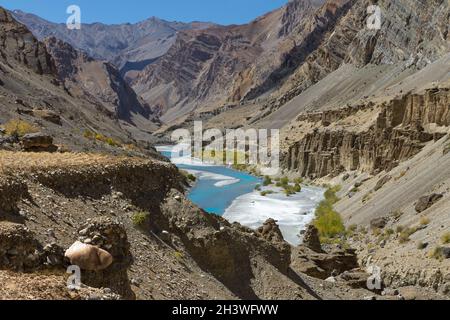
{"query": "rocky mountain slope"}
[(221, 65), (266, 64), (130, 47), (87, 78), (67, 94)]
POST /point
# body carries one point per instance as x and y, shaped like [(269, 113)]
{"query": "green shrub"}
[(267, 192), (258, 187), (19, 128), (267, 181), (192, 177), (139, 218), (284, 181), (330, 194), (327, 221)]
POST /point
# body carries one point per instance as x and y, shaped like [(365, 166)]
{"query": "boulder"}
[(311, 239), (88, 257), (108, 236), (427, 202), (378, 223), (38, 142)]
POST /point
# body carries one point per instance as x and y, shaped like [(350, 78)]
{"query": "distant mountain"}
[(130, 47)]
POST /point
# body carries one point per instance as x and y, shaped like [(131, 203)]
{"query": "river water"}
[(229, 193)]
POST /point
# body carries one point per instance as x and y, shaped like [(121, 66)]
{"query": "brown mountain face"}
[(87, 78), (130, 47), (272, 60), (221, 65), (63, 92), (18, 43)]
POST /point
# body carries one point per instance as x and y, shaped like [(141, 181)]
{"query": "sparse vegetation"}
[(267, 181), (258, 187), (445, 238), (266, 193), (100, 137), (354, 190), (298, 180), (437, 253), (139, 218), (397, 214), (292, 189), (424, 221), (189, 176), (376, 232), (328, 221), (18, 128), (406, 233)]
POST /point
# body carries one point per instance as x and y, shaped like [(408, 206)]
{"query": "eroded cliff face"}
[(19, 44), (400, 130)]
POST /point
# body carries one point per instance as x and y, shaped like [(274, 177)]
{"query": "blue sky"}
[(119, 11)]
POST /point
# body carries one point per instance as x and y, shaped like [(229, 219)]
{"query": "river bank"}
[(236, 196)]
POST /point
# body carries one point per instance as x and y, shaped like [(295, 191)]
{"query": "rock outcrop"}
[(38, 142), (426, 202), (232, 253), (311, 239), (18, 43), (323, 264), (401, 129)]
